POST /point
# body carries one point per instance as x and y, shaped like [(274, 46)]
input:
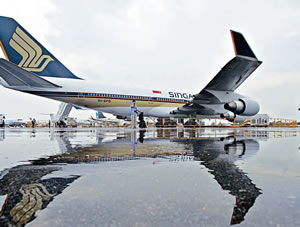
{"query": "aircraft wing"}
[(230, 77), (17, 78), (236, 71)]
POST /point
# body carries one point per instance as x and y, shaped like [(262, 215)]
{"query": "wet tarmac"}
[(155, 177)]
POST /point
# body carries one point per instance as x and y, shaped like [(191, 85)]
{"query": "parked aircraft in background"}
[(16, 123), (11, 122), (28, 63)]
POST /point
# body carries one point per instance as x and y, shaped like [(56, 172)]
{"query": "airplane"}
[(16, 123), (31, 68), (12, 123)]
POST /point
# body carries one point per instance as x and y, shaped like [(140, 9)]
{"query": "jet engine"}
[(243, 107), (239, 147), (122, 117), (228, 115)]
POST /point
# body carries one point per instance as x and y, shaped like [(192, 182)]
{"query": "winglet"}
[(240, 45)]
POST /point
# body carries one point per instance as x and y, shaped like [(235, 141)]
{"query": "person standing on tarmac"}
[(33, 123), (142, 123), (134, 110)]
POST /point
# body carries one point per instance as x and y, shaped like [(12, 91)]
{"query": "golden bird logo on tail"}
[(31, 53)]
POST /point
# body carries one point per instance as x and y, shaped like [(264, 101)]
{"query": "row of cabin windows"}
[(134, 97)]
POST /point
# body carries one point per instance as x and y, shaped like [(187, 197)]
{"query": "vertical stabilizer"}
[(22, 49)]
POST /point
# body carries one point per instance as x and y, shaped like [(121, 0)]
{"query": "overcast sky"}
[(163, 44)]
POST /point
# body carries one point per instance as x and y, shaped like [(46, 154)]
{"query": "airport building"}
[(260, 120)]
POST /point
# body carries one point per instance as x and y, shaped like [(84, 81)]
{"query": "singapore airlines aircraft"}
[(28, 64)]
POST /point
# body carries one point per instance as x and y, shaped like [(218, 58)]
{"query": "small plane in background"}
[(17, 123), (28, 64), (101, 119), (13, 123)]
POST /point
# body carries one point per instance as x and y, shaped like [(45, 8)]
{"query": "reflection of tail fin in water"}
[(28, 194), (22, 49), (32, 201)]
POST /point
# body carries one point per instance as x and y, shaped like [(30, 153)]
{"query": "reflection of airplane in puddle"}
[(28, 192), (217, 154), (2, 134), (25, 195)]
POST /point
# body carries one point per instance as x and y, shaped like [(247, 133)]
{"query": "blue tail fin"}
[(22, 49)]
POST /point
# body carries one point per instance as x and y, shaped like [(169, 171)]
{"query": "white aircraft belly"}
[(148, 111)]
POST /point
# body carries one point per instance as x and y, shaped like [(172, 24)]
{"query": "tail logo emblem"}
[(31, 53)]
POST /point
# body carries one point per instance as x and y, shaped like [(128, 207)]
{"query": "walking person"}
[(134, 111), (33, 123), (142, 123)]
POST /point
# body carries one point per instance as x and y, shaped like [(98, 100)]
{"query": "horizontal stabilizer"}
[(78, 107), (14, 76), (240, 45)]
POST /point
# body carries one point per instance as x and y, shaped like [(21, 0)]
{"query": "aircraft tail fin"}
[(22, 49), (241, 47)]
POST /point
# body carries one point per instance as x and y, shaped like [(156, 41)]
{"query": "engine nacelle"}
[(122, 117), (240, 147), (243, 107), (228, 115)]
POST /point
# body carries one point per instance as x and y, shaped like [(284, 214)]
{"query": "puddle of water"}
[(159, 177)]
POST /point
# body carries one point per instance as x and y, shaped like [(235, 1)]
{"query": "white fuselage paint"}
[(90, 95)]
